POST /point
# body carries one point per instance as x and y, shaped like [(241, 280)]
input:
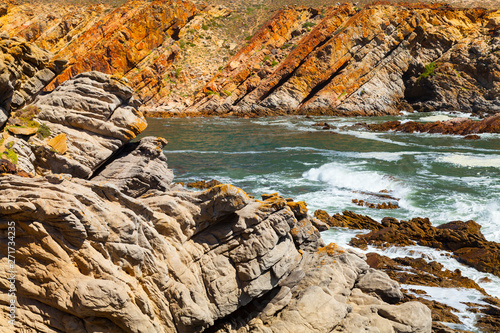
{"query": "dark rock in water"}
[(472, 137), (348, 219), (464, 239), (457, 126)]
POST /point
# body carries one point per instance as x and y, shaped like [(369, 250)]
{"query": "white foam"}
[(187, 151), (454, 297), (440, 117), (383, 156), (342, 236), (339, 176), (376, 137), (472, 161)]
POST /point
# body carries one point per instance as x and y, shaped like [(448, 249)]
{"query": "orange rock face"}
[(371, 61), (338, 60), (136, 40)]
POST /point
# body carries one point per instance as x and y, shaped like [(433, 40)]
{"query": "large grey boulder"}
[(95, 115), (379, 283), (139, 167)]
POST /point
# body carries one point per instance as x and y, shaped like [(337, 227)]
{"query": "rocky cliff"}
[(343, 60), (377, 60), (163, 48), (105, 242)]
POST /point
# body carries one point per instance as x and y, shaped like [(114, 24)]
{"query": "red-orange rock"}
[(463, 239), (458, 126)]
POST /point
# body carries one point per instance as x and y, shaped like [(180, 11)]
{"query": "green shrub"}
[(429, 70), (44, 131), (274, 63), (11, 155), (178, 72), (308, 25)]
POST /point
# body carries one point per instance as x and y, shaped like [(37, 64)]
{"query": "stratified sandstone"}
[(92, 258), (25, 70), (96, 114), (144, 41), (127, 251), (373, 61), (340, 60), (74, 129)]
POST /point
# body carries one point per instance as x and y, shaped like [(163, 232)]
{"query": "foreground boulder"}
[(74, 129), (128, 251), (91, 258)]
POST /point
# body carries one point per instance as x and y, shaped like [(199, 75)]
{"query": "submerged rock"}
[(463, 239)]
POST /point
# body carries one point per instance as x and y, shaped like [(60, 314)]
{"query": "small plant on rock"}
[(43, 131), (429, 70)]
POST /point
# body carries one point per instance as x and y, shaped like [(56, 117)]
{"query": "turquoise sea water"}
[(445, 178), (442, 177)]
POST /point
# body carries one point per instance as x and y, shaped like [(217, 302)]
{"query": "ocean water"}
[(444, 178)]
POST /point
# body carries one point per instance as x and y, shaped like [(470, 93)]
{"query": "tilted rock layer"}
[(340, 60), (143, 41), (25, 70), (371, 61)]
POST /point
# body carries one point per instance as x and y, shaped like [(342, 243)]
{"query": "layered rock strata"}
[(374, 61), (128, 251), (342, 60), (74, 129), (149, 43), (25, 70)]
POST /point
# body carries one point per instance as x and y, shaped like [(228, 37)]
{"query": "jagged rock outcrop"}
[(463, 239), (92, 258), (95, 115), (127, 251), (457, 126), (139, 167), (340, 60), (25, 70), (147, 42), (74, 129), (373, 61)]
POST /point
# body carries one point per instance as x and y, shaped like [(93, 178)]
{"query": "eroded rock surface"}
[(25, 70), (128, 251), (95, 115)]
